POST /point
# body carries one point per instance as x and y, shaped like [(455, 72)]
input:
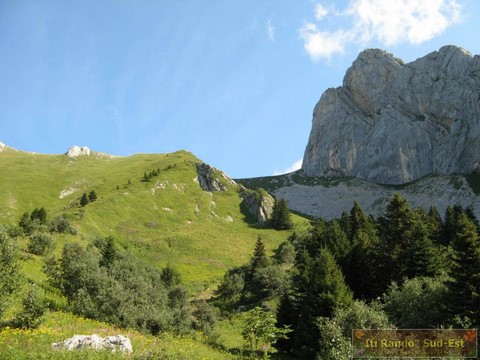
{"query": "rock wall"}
[(393, 122)]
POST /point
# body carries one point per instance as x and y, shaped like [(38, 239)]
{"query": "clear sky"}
[(233, 81)]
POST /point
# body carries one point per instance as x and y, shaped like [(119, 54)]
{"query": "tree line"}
[(408, 268)]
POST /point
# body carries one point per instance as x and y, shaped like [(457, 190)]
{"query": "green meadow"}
[(167, 220)]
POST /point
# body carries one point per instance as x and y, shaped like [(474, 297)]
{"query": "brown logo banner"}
[(451, 343)]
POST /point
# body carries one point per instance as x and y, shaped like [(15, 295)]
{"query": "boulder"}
[(113, 343)]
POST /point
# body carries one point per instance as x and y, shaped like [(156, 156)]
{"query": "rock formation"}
[(258, 203), (211, 179), (76, 151), (393, 122), (112, 343)]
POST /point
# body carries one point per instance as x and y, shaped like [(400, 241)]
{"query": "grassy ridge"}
[(169, 220)]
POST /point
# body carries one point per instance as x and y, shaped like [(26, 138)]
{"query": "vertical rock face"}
[(393, 122)]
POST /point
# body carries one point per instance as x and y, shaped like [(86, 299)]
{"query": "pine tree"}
[(259, 259), (84, 200), (281, 215), (465, 285), (395, 230), (421, 257), (324, 291), (435, 225), (25, 221), (42, 216), (109, 252), (92, 196)]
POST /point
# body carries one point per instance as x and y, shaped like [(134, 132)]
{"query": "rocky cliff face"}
[(393, 122)]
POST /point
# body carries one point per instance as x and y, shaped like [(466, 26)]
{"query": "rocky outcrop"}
[(211, 179), (113, 343), (4, 147), (393, 122), (76, 151), (258, 204)]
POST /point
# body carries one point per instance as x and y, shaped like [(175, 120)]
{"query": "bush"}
[(271, 281), (61, 224), (335, 333), (417, 303), (40, 243), (33, 310), (9, 269)]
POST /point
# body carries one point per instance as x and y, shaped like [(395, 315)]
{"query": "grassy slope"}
[(35, 344), (169, 220)]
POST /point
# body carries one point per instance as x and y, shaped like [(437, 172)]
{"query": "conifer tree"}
[(421, 257), (259, 259), (25, 221), (435, 225), (109, 252), (92, 196), (465, 285), (84, 200), (395, 239), (281, 215), (324, 291)]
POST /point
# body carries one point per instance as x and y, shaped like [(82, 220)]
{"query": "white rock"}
[(76, 151), (112, 343), (393, 122)]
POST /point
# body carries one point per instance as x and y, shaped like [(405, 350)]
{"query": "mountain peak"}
[(393, 122)]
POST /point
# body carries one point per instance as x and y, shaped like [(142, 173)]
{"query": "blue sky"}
[(234, 82)]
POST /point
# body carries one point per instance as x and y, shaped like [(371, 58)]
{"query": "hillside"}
[(167, 220), (317, 196)]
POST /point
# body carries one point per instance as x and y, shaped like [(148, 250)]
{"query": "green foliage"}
[(84, 200), (205, 318), (231, 288), (40, 243), (321, 289), (418, 303), (285, 254), (33, 310), (130, 294), (109, 252), (9, 270), (92, 196), (335, 332), (61, 224), (259, 259), (180, 309), (40, 215), (281, 215), (260, 330), (271, 281), (465, 274), (170, 277), (24, 221)]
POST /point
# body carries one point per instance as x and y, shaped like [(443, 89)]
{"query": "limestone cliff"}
[(393, 122)]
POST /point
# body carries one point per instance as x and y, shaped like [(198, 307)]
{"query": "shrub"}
[(40, 243), (61, 224), (9, 269), (33, 309)]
